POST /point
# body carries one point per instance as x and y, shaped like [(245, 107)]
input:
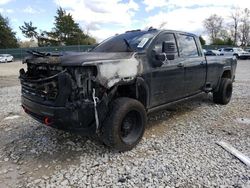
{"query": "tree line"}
[(65, 32), (235, 30)]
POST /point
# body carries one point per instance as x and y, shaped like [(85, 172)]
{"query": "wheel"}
[(224, 94), (125, 125), (236, 56)]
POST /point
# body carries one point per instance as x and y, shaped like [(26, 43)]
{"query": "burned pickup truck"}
[(109, 90)]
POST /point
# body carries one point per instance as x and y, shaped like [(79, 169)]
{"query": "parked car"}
[(247, 49), (109, 91), (239, 53), (4, 58), (212, 53)]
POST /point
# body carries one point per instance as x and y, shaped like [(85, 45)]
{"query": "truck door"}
[(194, 64), (167, 81)]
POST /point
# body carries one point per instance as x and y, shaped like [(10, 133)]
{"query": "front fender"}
[(111, 72)]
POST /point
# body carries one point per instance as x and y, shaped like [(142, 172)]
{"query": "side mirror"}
[(161, 57), (169, 48), (158, 58)]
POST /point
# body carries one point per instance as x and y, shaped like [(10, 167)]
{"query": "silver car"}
[(239, 53), (4, 58)]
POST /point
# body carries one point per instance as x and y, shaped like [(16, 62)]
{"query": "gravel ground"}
[(178, 150), (9, 73), (9, 69)]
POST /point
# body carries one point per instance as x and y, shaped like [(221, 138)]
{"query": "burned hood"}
[(74, 58), (78, 58)]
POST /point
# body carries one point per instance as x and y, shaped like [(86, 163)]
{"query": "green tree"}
[(218, 41), (227, 41), (203, 42), (28, 30), (67, 31), (7, 36)]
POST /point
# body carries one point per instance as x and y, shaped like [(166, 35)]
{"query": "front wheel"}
[(224, 94), (125, 125)]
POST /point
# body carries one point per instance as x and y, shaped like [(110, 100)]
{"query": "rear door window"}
[(187, 46)]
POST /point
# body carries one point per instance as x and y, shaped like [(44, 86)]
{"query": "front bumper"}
[(80, 120)]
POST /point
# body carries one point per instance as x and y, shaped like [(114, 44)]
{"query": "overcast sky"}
[(104, 18)]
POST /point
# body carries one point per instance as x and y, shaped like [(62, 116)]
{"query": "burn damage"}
[(73, 92)]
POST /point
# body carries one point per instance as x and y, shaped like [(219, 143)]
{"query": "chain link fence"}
[(20, 53)]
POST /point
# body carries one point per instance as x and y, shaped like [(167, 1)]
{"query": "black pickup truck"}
[(109, 90)]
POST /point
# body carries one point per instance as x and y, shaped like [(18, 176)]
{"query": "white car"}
[(213, 53), (4, 58), (239, 53)]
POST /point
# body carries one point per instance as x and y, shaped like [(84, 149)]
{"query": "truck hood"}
[(74, 58)]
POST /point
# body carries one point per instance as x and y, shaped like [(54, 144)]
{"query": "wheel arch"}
[(226, 73), (137, 89)]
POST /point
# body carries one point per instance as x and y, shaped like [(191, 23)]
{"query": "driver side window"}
[(166, 37)]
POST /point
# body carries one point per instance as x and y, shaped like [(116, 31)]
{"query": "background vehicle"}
[(110, 90), (247, 49), (4, 58), (212, 53), (239, 53)]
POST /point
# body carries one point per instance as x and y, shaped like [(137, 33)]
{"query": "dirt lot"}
[(178, 150)]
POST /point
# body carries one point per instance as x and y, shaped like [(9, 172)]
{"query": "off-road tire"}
[(121, 109), (224, 94)]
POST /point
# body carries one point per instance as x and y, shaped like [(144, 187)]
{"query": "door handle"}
[(180, 65)]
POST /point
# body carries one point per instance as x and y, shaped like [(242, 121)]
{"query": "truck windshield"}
[(127, 42)]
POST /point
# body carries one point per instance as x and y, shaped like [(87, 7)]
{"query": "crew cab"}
[(109, 90)]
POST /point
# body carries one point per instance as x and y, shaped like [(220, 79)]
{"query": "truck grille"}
[(40, 83), (46, 91)]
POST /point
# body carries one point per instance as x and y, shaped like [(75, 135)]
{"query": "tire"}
[(125, 125), (236, 56), (224, 94)]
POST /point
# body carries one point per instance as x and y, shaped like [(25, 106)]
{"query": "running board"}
[(163, 106)]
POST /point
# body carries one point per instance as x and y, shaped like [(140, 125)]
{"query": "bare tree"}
[(245, 27), (235, 16), (213, 26)]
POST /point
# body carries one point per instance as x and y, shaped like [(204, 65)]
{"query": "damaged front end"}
[(64, 97), (72, 91)]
